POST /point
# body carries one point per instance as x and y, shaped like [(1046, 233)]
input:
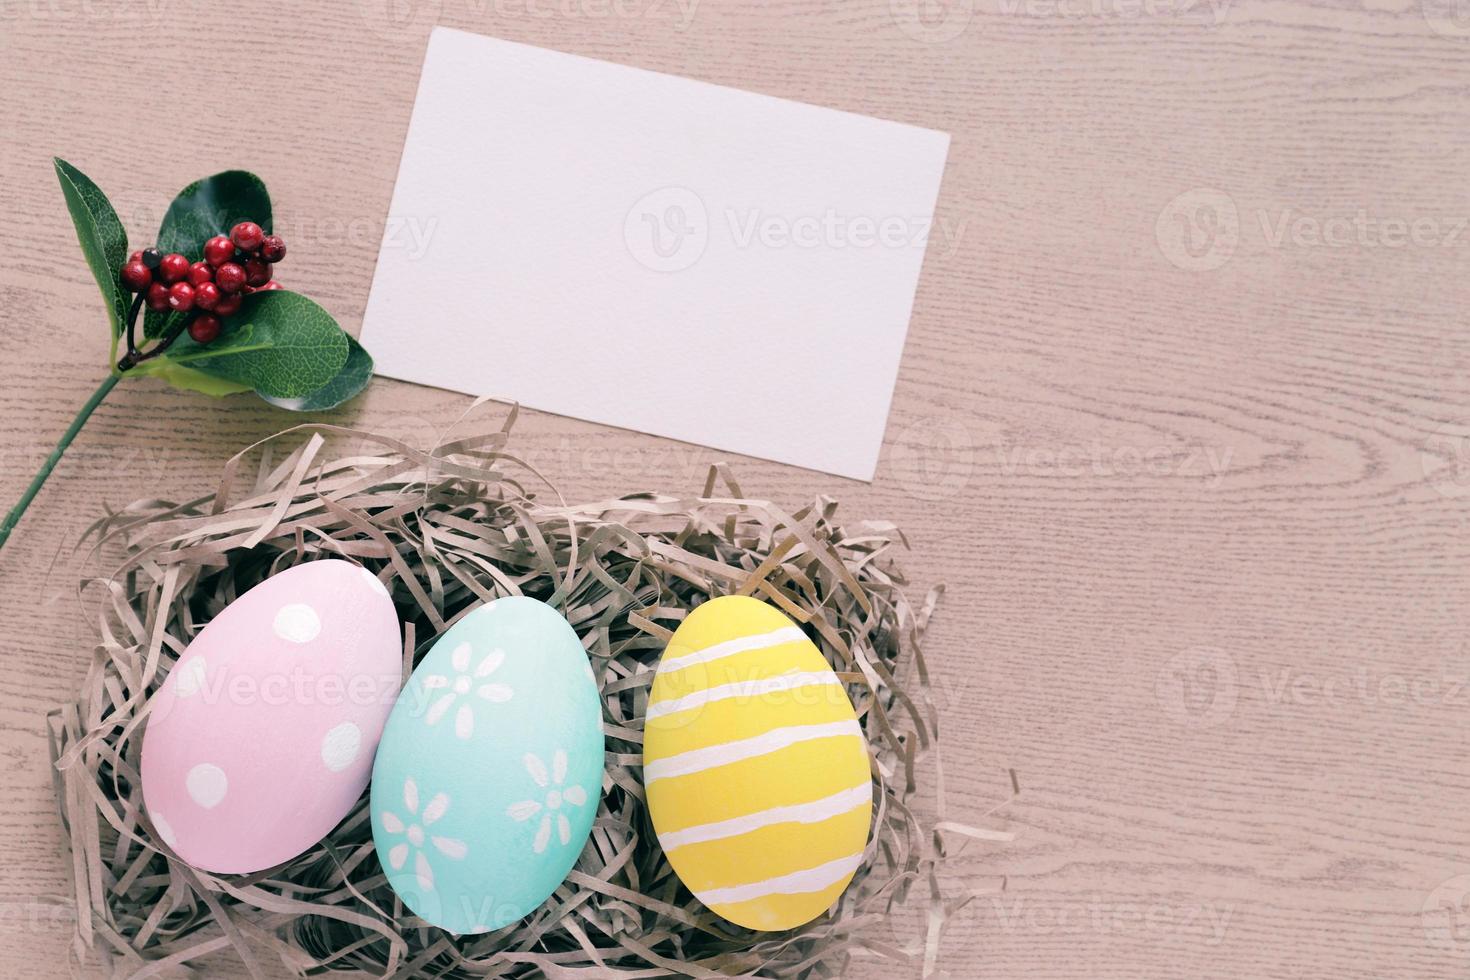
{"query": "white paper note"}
[(652, 252)]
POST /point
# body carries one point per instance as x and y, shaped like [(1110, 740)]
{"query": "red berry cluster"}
[(233, 266)]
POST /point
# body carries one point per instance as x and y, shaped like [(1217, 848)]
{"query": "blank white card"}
[(653, 252)]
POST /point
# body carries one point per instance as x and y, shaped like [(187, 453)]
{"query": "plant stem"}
[(19, 509), (134, 357)]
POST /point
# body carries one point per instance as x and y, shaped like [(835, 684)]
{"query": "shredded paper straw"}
[(446, 531)]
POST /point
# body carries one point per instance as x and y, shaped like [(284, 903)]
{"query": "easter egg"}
[(261, 738), (755, 766), (489, 774)]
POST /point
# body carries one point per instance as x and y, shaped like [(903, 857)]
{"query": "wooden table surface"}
[(1183, 421)]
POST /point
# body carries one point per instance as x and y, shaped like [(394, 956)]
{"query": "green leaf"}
[(354, 376), (210, 207), (104, 240), (280, 343), (188, 379), (156, 323), (206, 208)]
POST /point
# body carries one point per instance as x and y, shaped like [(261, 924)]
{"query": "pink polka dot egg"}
[(262, 737)]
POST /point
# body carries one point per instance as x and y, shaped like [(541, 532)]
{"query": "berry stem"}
[(133, 322), (134, 357), (168, 340), (13, 518)]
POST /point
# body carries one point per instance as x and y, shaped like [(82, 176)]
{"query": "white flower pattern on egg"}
[(415, 835), (556, 797), (462, 684)]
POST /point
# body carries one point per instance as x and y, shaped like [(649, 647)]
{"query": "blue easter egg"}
[(489, 773)]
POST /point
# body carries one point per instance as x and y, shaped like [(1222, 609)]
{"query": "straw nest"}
[(447, 530)]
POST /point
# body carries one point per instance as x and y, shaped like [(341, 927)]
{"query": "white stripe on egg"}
[(728, 753), (732, 648), (797, 883), (816, 811)]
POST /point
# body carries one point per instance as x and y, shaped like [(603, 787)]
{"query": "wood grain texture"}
[(1183, 421)]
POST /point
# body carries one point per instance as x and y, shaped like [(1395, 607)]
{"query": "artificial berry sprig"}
[(294, 354), (234, 266)]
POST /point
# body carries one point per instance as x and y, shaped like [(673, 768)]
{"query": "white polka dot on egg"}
[(376, 582), (164, 830), (191, 677), (207, 785), (340, 746), (297, 623)]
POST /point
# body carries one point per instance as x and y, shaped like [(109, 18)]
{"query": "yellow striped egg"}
[(755, 766)]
